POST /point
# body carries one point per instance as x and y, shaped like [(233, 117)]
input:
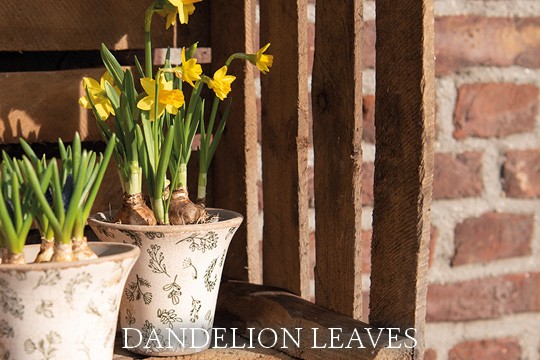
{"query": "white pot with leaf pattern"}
[(68, 310), (169, 301)]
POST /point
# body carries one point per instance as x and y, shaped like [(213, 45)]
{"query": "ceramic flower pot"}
[(63, 310), (170, 298)]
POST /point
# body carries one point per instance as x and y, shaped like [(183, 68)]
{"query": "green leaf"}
[(112, 65), (140, 70)]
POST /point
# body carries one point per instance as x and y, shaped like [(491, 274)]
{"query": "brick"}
[(462, 41), (492, 236), (457, 176), (485, 298), (493, 349), (430, 354), (368, 47), (368, 115), (368, 171), (521, 173), (495, 110), (366, 251)]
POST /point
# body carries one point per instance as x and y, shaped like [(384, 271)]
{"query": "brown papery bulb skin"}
[(183, 211), (134, 211)]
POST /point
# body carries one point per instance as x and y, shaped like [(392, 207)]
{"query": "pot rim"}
[(232, 219), (128, 251)]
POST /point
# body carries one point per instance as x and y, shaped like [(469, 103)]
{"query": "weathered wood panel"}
[(259, 307), (43, 106), (404, 120), (284, 146), (27, 25), (235, 165), (337, 136)]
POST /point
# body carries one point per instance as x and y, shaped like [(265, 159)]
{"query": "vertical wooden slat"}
[(337, 119), (235, 165), (284, 146), (404, 120)]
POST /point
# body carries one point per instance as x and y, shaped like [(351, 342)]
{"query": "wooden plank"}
[(42, 106), (235, 166), (27, 25), (337, 137), (404, 120), (259, 307), (284, 146)]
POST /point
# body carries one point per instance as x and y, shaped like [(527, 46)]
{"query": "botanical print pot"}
[(170, 298), (57, 311)]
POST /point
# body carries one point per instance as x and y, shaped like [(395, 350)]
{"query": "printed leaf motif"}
[(9, 300), (201, 243), (45, 346), (130, 319), (174, 291), (195, 308), (156, 260), (152, 235), (45, 309), (134, 292), (208, 282), (167, 317), (83, 280), (230, 233), (134, 236), (5, 329), (148, 331), (104, 231), (188, 263), (49, 278), (222, 259)]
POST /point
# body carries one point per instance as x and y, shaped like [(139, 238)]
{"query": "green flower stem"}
[(148, 40), (242, 56), (134, 183), (158, 207), (182, 175), (201, 189)]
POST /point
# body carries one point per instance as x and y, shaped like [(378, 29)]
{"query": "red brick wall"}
[(484, 292)]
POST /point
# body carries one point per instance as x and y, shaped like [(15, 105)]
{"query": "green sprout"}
[(17, 208), (73, 189)]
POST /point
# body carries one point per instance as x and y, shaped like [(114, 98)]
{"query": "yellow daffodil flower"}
[(168, 98), (263, 61), (221, 83), (169, 12), (98, 95), (191, 71), (183, 8)]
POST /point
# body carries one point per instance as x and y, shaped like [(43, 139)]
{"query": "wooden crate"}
[(41, 105)]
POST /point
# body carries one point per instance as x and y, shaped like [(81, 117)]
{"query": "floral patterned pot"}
[(170, 298), (63, 310)]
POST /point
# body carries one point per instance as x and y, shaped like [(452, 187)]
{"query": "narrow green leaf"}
[(112, 65)]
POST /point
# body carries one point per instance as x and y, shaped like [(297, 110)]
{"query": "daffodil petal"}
[(83, 101), (146, 103), (149, 86)]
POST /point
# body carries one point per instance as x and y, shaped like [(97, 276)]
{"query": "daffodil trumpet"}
[(66, 201)]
